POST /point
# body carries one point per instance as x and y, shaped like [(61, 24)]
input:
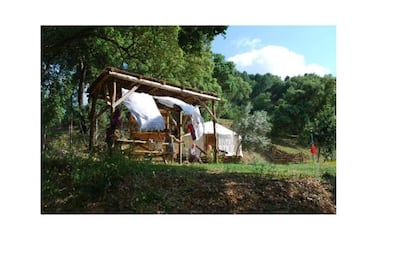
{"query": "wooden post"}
[(180, 147), (121, 98), (113, 97), (168, 120), (214, 131)]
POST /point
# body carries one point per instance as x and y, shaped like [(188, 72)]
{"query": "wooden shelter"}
[(108, 88)]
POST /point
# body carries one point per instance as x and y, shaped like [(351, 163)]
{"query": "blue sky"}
[(280, 50)]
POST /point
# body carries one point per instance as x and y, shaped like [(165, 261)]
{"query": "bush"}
[(253, 129)]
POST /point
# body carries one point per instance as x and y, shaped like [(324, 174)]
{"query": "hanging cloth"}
[(190, 110), (145, 111)]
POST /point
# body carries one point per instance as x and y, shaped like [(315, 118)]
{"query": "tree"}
[(299, 104), (193, 39), (253, 128), (163, 52), (263, 101), (263, 83), (80, 52), (265, 90), (323, 128), (197, 72), (235, 92), (323, 125), (56, 98)]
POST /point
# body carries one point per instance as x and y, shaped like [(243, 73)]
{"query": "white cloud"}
[(248, 42), (276, 60)]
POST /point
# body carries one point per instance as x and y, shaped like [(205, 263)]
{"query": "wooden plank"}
[(145, 136), (120, 100), (149, 152), (173, 121), (137, 141), (180, 147), (153, 90), (132, 141), (209, 111), (113, 97)]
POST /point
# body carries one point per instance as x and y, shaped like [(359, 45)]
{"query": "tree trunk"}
[(44, 138), (81, 87), (81, 91), (92, 120)]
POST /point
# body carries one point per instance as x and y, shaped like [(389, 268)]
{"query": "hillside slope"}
[(124, 186)]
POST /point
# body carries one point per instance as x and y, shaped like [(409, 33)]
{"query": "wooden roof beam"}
[(153, 90), (162, 86)]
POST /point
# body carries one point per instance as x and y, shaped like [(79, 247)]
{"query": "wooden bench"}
[(144, 145), (146, 136)]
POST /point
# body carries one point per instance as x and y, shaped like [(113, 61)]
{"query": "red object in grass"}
[(313, 149)]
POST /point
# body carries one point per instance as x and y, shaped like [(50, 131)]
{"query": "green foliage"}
[(56, 96), (301, 101), (298, 102), (72, 57), (296, 105), (75, 184), (253, 128), (235, 91), (194, 38), (72, 182), (155, 51), (323, 128), (263, 101), (264, 83), (323, 123), (197, 72)]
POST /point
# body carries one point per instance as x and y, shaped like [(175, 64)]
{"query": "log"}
[(113, 97), (120, 100), (210, 112), (161, 86), (132, 141), (180, 148)]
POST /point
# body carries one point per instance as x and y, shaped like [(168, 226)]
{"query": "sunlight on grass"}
[(313, 170)]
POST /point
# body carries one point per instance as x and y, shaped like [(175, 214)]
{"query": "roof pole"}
[(180, 147), (113, 97)]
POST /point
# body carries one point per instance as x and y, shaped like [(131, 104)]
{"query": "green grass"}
[(76, 184), (282, 171), (290, 145), (76, 181)]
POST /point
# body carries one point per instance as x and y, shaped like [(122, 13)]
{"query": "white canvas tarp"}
[(227, 140), (190, 110), (145, 111), (171, 101)]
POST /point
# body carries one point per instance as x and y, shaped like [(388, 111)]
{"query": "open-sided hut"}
[(108, 88)]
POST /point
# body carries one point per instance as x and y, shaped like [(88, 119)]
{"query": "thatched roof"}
[(148, 85)]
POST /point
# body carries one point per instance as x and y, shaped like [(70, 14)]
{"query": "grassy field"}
[(282, 171), (76, 181), (74, 184)]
